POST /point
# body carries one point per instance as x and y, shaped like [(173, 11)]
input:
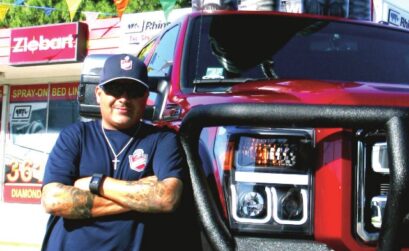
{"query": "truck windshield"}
[(253, 47)]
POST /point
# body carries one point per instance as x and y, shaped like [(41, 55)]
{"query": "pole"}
[(4, 122)]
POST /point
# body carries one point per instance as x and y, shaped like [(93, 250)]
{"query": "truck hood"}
[(311, 92)]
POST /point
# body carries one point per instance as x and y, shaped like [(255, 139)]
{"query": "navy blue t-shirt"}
[(81, 150)]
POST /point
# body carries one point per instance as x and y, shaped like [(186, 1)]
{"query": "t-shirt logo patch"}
[(137, 161)]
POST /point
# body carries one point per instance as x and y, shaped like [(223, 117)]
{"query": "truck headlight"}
[(371, 184), (266, 176), (292, 208), (251, 204), (377, 208), (379, 158)]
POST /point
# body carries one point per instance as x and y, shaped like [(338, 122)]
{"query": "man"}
[(105, 178)]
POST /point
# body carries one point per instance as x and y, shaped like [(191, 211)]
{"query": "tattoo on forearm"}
[(148, 193), (81, 201)]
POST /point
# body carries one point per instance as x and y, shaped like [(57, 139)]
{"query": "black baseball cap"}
[(124, 66)]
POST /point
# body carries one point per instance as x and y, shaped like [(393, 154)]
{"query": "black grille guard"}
[(395, 120)]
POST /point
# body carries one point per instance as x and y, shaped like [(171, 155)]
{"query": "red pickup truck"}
[(295, 127)]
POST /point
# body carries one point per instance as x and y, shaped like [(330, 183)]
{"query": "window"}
[(162, 59), (226, 49), (37, 114), (147, 49)]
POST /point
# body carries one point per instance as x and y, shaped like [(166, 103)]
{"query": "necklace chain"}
[(116, 155)]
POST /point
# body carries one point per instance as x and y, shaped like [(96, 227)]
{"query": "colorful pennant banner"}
[(167, 6), (73, 7), (120, 6), (3, 11)]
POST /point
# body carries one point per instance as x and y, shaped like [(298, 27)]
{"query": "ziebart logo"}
[(24, 44), (47, 43)]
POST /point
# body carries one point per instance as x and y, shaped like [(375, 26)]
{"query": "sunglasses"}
[(118, 89)]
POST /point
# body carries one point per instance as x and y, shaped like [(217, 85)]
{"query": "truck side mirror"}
[(158, 95), (91, 69)]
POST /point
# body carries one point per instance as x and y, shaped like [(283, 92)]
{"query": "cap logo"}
[(126, 64)]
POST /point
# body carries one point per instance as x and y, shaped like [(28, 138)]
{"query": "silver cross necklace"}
[(115, 161)]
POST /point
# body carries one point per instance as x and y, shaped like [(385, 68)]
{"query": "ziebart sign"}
[(48, 44), (139, 28)]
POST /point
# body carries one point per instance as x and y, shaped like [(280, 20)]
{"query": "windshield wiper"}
[(220, 85), (212, 82)]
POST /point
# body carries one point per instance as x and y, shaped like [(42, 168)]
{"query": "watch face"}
[(94, 180)]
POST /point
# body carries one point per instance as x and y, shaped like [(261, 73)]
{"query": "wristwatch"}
[(95, 183)]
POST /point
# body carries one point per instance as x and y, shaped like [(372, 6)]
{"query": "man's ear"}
[(98, 93)]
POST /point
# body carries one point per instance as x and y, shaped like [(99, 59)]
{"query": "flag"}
[(3, 11), (73, 7), (120, 6), (167, 6), (18, 2), (48, 11)]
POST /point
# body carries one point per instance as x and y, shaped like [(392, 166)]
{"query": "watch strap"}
[(95, 183)]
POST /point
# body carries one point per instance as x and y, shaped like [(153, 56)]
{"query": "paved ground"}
[(22, 226)]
